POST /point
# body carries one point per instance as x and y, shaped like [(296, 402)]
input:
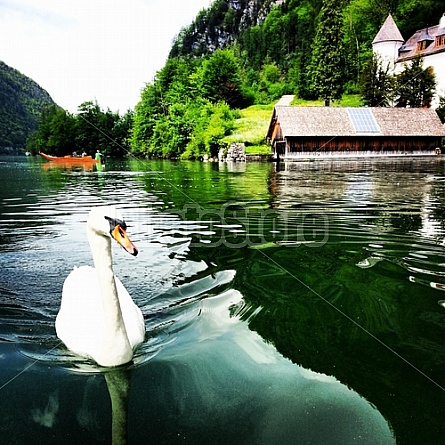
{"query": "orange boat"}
[(70, 159)]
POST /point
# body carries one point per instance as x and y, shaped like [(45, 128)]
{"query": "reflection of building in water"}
[(297, 184), (360, 188), (432, 226), (387, 195)]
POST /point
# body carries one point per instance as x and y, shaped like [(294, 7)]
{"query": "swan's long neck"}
[(116, 348)]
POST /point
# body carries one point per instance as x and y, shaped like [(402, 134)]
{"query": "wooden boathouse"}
[(340, 132)]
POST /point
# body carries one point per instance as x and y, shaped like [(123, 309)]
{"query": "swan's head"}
[(107, 221)]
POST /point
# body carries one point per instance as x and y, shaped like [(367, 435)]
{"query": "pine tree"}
[(327, 64), (376, 84)]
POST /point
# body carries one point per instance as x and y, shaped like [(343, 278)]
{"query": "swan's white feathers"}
[(79, 323), (97, 219), (90, 302)]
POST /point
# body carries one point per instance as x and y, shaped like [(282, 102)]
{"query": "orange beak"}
[(120, 235)]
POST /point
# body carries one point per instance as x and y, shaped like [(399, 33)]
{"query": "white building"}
[(429, 42)]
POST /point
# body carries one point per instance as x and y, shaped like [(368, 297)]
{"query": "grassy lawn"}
[(251, 127), (350, 100), (258, 149)]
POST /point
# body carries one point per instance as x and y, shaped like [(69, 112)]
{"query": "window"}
[(421, 45)]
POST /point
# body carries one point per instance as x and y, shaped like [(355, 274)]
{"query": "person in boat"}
[(98, 156)]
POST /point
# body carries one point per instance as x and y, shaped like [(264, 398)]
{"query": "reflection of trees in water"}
[(386, 208), (310, 332)]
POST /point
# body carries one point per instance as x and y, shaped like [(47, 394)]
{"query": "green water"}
[(292, 304)]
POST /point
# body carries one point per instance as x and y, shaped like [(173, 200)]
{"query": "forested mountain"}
[(283, 32), (226, 21), (22, 102)]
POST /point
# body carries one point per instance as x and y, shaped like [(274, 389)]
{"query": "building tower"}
[(387, 43)]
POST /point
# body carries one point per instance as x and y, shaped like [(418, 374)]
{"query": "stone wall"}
[(235, 153)]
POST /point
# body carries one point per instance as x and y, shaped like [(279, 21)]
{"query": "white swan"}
[(97, 317)]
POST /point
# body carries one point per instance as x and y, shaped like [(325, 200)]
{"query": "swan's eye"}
[(115, 223)]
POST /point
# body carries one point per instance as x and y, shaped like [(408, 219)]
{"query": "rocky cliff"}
[(219, 25)]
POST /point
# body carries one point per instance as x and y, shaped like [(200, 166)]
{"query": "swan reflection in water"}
[(118, 384), (189, 383)]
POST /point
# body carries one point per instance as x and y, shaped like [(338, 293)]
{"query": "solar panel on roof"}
[(363, 120)]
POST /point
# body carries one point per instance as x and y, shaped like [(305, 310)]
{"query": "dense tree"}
[(56, 133), (185, 112), (271, 86), (441, 109), (415, 86), (122, 134), (172, 132), (254, 46), (61, 133), (89, 136), (177, 83), (147, 113), (327, 64), (362, 20), (376, 84), (220, 78), (213, 123), (189, 129)]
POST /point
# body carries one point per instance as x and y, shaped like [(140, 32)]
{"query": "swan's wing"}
[(79, 321), (132, 315)]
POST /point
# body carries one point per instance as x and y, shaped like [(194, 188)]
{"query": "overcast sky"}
[(80, 50)]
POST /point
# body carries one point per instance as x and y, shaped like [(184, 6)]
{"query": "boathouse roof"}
[(360, 121)]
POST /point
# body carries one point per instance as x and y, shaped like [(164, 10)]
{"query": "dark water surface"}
[(300, 304)]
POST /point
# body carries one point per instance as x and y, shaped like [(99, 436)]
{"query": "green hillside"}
[(283, 34), (21, 103)]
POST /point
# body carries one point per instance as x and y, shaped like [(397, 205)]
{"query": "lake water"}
[(298, 304)]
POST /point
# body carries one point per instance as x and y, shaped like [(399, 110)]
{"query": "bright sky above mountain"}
[(80, 50)]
